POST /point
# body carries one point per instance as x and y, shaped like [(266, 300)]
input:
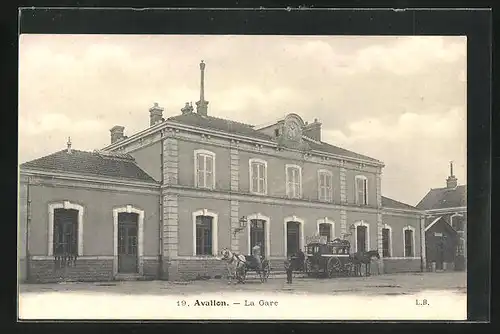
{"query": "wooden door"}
[(361, 238), (292, 238), (127, 246)]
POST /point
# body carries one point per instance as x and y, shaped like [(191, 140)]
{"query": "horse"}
[(238, 264), (363, 257)]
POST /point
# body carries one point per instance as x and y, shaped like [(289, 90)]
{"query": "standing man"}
[(256, 254)]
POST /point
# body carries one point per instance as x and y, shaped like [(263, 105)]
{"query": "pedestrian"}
[(289, 270), (256, 255)]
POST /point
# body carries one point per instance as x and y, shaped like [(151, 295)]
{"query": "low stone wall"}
[(401, 265), (45, 271)]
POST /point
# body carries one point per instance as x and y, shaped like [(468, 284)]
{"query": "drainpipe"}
[(160, 217)]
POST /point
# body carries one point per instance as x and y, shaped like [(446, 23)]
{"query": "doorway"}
[(127, 243), (292, 238)]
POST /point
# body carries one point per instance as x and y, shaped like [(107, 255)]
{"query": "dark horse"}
[(365, 258)]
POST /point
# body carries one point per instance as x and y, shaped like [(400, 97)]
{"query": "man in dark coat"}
[(289, 270)]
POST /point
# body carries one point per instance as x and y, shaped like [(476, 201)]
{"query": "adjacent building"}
[(446, 225), (163, 202)]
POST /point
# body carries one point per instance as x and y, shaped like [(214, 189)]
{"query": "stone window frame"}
[(215, 220), (388, 227), (326, 221), (250, 169), (413, 249), (140, 236), (267, 232), (361, 177), (299, 182), (301, 231), (204, 153), (65, 205), (329, 197)]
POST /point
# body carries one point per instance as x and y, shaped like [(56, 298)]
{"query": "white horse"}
[(233, 262)]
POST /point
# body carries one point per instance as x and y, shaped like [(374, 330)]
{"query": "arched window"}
[(293, 181), (325, 188), (326, 228), (258, 176), (65, 234), (409, 241), (361, 190), (204, 233), (204, 169), (386, 241), (258, 231)]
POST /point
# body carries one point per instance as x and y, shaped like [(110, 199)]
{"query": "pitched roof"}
[(393, 204), (328, 148), (430, 222), (116, 165), (442, 198), (233, 127), (220, 124)]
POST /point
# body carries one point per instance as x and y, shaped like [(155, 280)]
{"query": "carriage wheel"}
[(333, 266), (241, 274), (308, 267)]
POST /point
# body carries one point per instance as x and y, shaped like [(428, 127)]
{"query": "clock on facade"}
[(293, 131)]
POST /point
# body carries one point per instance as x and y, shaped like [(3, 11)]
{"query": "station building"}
[(162, 203)]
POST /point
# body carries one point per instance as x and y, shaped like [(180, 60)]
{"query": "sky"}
[(401, 100)]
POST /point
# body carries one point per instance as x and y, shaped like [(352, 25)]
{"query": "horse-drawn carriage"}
[(238, 265), (328, 258)]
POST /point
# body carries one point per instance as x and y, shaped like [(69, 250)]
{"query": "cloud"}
[(50, 123), (408, 55), (410, 146)]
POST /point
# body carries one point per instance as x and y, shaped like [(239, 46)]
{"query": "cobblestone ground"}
[(396, 284)]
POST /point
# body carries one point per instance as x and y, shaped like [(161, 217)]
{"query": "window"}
[(325, 230), (293, 181), (204, 235), (325, 185), (457, 223), (386, 242), (257, 234), (204, 169), (409, 241), (258, 176), (65, 232), (361, 190)]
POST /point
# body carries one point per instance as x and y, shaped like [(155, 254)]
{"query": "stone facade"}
[(169, 208)]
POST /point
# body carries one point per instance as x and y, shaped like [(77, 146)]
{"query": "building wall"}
[(368, 218), (188, 205), (351, 186), (97, 220), (397, 223), (449, 243), (397, 262), (186, 162), (148, 157), (21, 229)]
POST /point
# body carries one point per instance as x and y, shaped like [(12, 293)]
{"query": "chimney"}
[(313, 130), (188, 108), (452, 181), (69, 146), (202, 105), (155, 114), (116, 133)]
